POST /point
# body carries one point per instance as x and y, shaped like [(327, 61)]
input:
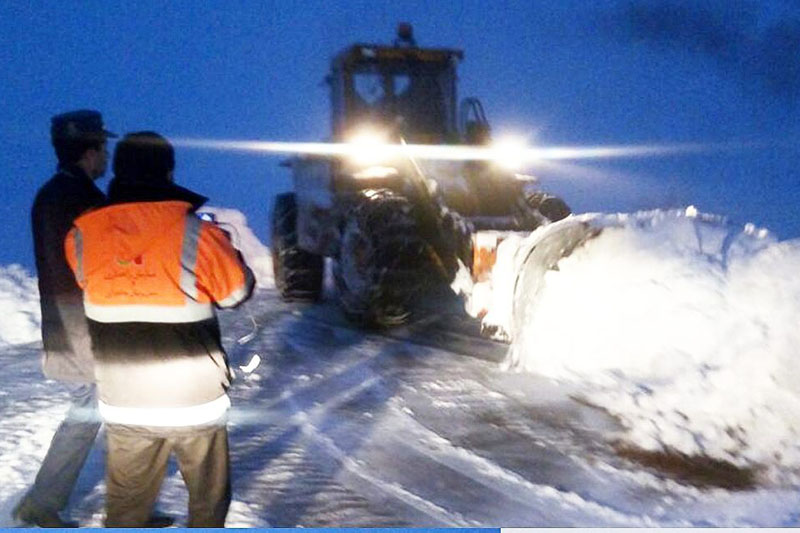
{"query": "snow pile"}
[(19, 306), (256, 255), (683, 327)]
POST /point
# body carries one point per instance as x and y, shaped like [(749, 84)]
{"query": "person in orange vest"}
[(152, 274)]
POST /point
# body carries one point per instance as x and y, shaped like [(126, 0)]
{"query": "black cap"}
[(83, 124)]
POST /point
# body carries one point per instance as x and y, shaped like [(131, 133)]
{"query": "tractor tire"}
[(298, 274), (384, 264)]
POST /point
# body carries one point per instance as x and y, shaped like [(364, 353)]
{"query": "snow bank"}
[(683, 327), (256, 255), (19, 307)]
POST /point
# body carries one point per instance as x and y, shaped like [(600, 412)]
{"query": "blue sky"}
[(577, 73)]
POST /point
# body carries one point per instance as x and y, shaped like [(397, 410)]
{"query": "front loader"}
[(396, 228)]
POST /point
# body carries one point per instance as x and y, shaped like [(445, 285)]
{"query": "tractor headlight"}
[(509, 153), (368, 147)]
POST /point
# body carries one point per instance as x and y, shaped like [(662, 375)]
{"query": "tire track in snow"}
[(514, 486), (482, 470), (301, 406), (477, 458), (547, 440), (291, 466), (436, 512), (305, 421), (509, 482)]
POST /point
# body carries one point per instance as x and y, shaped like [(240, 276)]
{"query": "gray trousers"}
[(136, 464), (68, 450)]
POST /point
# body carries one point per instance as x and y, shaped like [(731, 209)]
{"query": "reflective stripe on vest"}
[(79, 256), (195, 415), (237, 296), (190, 311), (191, 236)]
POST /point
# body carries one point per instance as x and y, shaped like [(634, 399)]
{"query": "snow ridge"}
[(681, 325)]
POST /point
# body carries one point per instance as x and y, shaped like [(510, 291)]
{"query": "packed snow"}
[(678, 325), (683, 327), (19, 306)]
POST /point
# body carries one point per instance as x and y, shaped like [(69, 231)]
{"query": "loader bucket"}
[(542, 253)]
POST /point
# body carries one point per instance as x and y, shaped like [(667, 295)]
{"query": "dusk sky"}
[(723, 74)]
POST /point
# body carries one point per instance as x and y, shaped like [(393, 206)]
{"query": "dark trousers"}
[(136, 464), (68, 450)]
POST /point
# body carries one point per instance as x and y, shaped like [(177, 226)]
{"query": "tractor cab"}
[(407, 91)]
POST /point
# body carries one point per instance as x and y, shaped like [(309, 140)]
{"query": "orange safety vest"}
[(151, 273), (153, 262)]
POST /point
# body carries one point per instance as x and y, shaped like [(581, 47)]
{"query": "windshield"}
[(414, 102)]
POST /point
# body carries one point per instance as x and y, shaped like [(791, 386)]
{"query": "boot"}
[(158, 520), (29, 514)]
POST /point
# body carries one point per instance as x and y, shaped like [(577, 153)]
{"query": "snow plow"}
[(394, 227)]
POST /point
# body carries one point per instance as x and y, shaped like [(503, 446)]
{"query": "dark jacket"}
[(127, 191), (67, 350), (152, 272)]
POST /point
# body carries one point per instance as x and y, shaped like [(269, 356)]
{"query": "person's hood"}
[(125, 191), (122, 233)]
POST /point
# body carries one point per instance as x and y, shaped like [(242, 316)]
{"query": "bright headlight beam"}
[(369, 148), (509, 153), (525, 155)]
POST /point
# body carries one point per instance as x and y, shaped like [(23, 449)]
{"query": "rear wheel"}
[(298, 274)]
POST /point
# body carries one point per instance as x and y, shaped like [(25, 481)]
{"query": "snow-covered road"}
[(339, 427)]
